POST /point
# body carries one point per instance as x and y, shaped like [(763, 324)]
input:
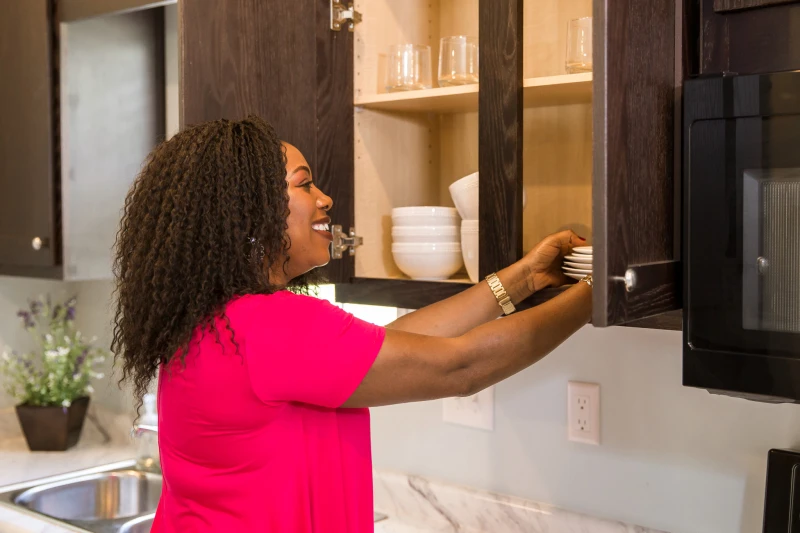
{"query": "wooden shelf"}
[(543, 91), (557, 90), (401, 293), (458, 278)]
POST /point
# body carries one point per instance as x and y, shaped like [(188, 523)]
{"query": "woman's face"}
[(308, 221)]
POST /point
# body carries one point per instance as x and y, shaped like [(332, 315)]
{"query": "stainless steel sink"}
[(108, 499), (140, 525), (107, 496), (115, 498)]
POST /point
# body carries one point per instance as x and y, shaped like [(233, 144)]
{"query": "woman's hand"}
[(477, 305), (543, 263)]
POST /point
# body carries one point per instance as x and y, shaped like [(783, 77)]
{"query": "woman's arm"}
[(477, 305), (412, 367), (466, 310)]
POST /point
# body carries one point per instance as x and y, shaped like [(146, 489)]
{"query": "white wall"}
[(672, 458)]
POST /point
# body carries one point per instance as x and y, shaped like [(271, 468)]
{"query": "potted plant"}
[(51, 383)]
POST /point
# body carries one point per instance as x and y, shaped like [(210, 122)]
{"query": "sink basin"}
[(140, 525), (103, 496)]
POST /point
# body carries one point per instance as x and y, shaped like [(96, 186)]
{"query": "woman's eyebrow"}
[(300, 168)]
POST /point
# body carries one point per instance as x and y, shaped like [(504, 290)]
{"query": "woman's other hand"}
[(543, 263)]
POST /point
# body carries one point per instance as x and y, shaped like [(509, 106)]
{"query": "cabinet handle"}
[(38, 243)]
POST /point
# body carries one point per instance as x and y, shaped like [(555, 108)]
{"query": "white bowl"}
[(425, 216), (465, 195), (428, 210), (469, 248), (425, 234), (469, 226), (428, 261)]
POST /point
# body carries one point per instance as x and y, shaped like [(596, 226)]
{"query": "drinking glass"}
[(408, 68), (458, 60), (579, 45)]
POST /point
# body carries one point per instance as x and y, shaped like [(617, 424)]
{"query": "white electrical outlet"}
[(583, 412), (476, 411)]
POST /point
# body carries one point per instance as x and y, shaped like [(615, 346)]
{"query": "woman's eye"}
[(307, 185)]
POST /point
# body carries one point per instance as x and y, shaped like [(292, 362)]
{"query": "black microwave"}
[(741, 235)]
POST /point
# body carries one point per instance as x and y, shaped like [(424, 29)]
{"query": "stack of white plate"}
[(579, 263), (426, 242)]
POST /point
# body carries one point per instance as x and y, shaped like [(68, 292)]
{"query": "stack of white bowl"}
[(578, 264), (465, 197), (425, 242)]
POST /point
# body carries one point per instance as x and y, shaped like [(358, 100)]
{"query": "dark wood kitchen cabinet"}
[(81, 105), (595, 152)]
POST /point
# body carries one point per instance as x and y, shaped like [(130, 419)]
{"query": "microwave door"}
[(771, 250)]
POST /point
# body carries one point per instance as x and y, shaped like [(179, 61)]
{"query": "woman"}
[(262, 391)]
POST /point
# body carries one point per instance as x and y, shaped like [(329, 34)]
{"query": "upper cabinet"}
[(592, 151), (81, 106), (27, 187)]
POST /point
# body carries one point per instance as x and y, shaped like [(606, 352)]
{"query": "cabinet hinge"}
[(342, 242), (342, 14)]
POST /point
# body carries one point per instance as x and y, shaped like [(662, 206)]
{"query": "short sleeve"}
[(303, 349)]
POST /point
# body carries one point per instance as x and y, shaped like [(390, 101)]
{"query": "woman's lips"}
[(324, 230)]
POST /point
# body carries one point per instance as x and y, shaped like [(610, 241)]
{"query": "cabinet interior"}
[(410, 146)]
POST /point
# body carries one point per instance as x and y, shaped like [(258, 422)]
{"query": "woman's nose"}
[(324, 201)]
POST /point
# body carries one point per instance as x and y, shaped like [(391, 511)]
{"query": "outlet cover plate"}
[(476, 411), (583, 412)]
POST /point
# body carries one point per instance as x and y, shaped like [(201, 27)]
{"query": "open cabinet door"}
[(282, 61), (636, 216)]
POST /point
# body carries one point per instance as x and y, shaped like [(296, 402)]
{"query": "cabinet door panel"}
[(26, 137), (636, 209), (279, 60), (500, 131)]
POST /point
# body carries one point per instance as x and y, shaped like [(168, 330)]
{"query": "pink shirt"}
[(257, 441)]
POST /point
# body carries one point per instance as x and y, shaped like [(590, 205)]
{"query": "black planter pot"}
[(52, 428)]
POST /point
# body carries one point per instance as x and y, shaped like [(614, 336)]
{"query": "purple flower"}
[(26, 318), (71, 304), (81, 358), (36, 307)]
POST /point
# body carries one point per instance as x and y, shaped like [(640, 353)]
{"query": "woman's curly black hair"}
[(203, 222)]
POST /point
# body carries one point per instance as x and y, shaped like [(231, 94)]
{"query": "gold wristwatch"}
[(588, 280), (500, 293)]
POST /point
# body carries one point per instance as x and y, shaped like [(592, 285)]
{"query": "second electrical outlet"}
[(583, 412)]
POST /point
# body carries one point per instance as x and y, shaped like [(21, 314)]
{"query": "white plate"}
[(583, 250), (579, 258), (577, 270), (575, 276), (582, 266)]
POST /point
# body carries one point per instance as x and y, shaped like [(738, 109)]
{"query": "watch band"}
[(500, 294)]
